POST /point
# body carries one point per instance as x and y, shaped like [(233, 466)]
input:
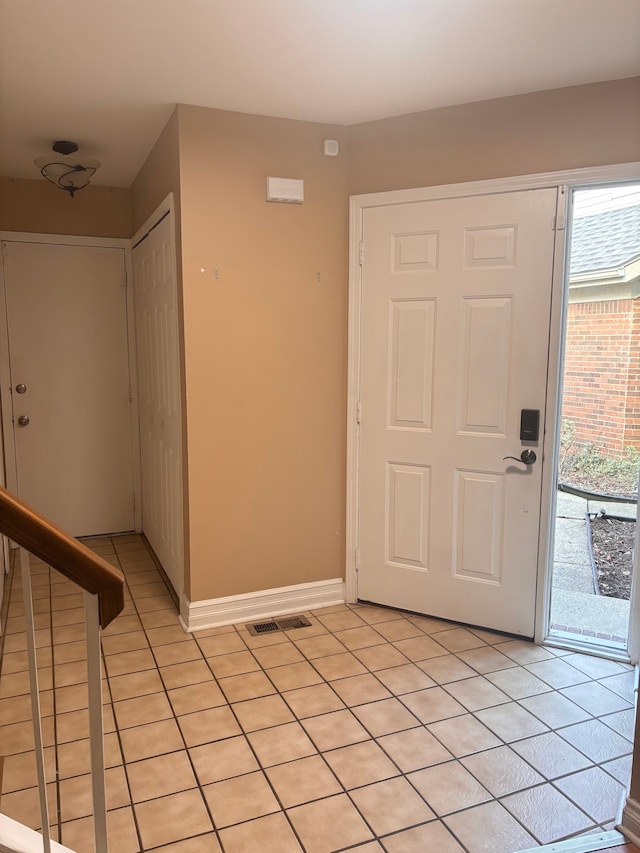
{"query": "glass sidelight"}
[(598, 452)]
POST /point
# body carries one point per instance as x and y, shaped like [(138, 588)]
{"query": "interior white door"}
[(68, 352), (455, 332), (156, 312)]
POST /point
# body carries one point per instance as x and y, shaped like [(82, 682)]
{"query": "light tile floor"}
[(372, 730)]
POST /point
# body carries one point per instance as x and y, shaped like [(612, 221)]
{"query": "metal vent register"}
[(272, 625)]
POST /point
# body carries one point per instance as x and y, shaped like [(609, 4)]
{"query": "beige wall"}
[(39, 207), (597, 124), (264, 346), (265, 352), (159, 176)]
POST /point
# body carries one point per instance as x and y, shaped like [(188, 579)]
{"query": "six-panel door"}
[(455, 332)]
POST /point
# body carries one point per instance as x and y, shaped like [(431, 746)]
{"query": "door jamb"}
[(357, 205), (5, 376)]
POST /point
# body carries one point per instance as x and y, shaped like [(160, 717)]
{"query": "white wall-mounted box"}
[(287, 190)]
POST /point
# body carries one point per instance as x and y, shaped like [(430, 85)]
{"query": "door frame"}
[(357, 205), (5, 375)]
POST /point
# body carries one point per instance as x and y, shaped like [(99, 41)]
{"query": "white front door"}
[(156, 311), (69, 365), (454, 344)]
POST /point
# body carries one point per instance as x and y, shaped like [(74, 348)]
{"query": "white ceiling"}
[(106, 73)]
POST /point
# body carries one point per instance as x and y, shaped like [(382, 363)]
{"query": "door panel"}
[(159, 393), (484, 383), (67, 328), (411, 380), (454, 343)]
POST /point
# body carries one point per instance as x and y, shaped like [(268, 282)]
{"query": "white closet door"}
[(156, 313)]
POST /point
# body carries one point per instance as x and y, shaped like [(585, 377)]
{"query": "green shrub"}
[(590, 468)]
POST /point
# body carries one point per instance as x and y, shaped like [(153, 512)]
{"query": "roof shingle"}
[(605, 240)]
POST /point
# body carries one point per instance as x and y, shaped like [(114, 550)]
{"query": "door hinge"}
[(361, 252), (559, 220), (133, 501), (130, 394), (125, 281), (358, 412), (357, 559)]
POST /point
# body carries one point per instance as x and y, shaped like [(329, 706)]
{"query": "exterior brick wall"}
[(601, 394), (632, 409)]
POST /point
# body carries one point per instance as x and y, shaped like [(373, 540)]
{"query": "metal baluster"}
[(94, 679), (35, 697)]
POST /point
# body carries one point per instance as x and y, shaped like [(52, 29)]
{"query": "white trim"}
[(630, 823), (633, 636), (267, 603), (65, 240), (551, 433), (6, 402), (134, 409), (623, 172), (594, 279), (593, 646), (353, 396), (584, 844), (5, 557), (17, 838)]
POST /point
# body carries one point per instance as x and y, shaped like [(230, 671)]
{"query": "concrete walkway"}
[(575, 607)]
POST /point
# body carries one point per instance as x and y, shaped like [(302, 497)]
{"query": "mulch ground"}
[(613, 542)]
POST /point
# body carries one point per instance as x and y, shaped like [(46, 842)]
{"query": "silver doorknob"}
[(23, 420), (527, 456), (21, 388)]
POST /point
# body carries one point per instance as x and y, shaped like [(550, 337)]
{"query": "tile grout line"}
[(117, 726), (298, 720)]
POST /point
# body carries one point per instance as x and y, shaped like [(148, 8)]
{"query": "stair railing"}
[(103, 585)]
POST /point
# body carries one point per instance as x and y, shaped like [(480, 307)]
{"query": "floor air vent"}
[(272, 625)]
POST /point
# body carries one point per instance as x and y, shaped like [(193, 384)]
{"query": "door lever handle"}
[(527, 456)]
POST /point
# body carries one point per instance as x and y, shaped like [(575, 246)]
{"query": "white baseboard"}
[(267, 603), (630, 824)]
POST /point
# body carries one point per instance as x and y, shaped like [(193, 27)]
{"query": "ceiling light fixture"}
[(67, 172)]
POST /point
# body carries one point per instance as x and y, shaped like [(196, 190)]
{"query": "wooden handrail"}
[(64, 553)]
